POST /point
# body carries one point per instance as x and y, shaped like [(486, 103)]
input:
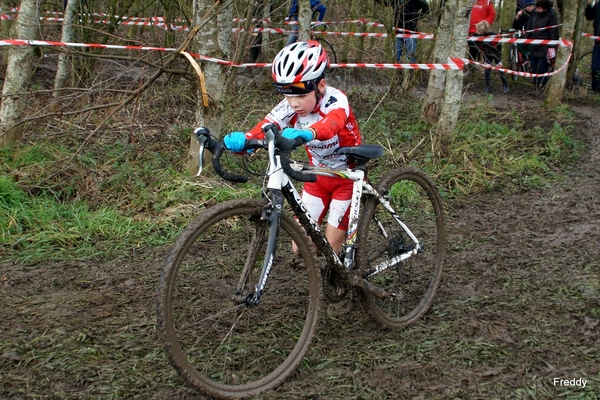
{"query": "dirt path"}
[(518, 308)]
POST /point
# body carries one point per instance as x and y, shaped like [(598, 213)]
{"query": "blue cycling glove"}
[(235, 141), (306, 134)]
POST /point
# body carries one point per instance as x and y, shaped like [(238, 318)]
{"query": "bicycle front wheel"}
[(414, 281), (514, 62), (216, 342), (329, 49)]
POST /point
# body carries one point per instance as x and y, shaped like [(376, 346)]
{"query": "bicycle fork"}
[(271, 213)]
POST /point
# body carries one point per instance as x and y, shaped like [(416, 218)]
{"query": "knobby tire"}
[(217, 345), (418, 204)]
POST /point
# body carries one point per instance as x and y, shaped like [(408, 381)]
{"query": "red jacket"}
[(482, 9)]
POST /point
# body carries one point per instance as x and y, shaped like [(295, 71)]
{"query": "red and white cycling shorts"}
[(329, 194)]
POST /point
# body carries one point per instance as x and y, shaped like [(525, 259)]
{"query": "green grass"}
[(116, 195), (42, 228), (111, 200)]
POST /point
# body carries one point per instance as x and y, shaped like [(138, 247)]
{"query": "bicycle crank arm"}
[(361, 283)]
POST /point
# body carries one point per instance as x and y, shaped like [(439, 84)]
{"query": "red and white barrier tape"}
[(589, 35), (525, 74), (453, 64), (161, 22), (329, 33), (495, 39)]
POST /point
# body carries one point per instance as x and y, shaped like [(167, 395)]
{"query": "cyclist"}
[(317, 8), (319, 114)]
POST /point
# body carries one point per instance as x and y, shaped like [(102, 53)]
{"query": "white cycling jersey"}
[(332, 120)]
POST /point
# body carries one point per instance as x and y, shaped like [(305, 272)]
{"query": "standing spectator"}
[(592, 13), (540, 55), (521, 4), (317, 8), (406, 15), (257, 37), (523, 15), (483, 15), (520, 22), (483, 10)]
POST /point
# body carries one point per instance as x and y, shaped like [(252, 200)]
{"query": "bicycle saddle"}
[(365, 151)]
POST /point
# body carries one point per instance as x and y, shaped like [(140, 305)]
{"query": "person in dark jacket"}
[(520, 22), (592, 13), (543, 16), (523, 15), (521, 4), (406, 15)]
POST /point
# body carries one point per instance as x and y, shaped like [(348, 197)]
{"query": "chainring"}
[(333, 286)]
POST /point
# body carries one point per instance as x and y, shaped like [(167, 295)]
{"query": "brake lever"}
[(201, 135)]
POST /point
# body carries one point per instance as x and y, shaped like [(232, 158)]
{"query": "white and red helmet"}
[(298, 67)]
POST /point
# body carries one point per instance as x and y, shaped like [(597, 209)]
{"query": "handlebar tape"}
[(286, 146), (216, 148)]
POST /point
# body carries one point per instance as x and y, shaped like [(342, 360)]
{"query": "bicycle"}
[(518, 61), (583, 71), (237, 310), (317, 29), (327, 46)]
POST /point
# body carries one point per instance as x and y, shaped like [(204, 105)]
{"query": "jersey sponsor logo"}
[(331, 101), (323, 145)]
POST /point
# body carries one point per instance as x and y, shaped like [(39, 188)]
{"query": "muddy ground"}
[(516, 313)]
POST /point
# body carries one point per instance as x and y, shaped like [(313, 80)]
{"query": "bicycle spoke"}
[(219, 344), (408, 271)]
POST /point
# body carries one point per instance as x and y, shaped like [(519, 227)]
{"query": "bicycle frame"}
[(279, 187)]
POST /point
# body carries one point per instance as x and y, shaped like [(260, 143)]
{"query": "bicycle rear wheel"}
[(220, 345), (417, 203)]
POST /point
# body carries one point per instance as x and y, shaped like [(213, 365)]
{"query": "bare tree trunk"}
[(268, 50), (304, 18), (19, 69), (213, 40), (576, 41), (6, 24), (437, 79), (454, 81), (558, 81), (62, 70)]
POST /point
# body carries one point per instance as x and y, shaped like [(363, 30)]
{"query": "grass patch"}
[(122, 193)]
